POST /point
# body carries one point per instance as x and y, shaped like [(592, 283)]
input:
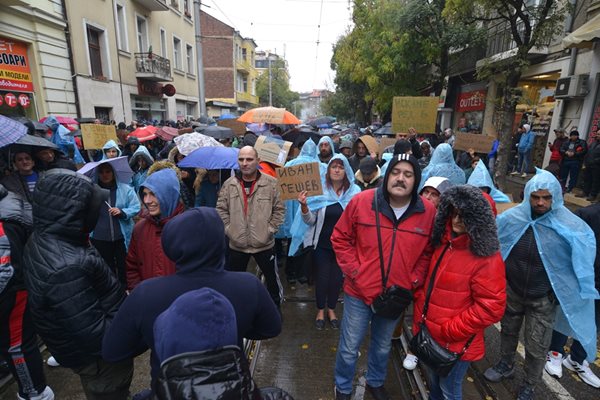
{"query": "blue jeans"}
[(523, 162), (569, 167), (449, 387), (355, 322)]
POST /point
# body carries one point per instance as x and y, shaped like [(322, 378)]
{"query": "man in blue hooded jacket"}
[(549, 255), (199, 256)]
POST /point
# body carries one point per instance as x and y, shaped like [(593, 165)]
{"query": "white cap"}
[(439, 183), (527, 127)]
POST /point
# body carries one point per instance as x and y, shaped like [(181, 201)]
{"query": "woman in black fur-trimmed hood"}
[(468, 293)]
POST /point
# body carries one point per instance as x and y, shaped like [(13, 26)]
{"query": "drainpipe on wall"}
[(119, 61), (70, 53), (572, 58)]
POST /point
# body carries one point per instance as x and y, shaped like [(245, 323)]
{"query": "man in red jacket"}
[(405, 226)]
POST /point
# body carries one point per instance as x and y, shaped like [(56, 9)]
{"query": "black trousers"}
[(266, 260), (329, 278), (591, 180), (18, 344), (114, 254)]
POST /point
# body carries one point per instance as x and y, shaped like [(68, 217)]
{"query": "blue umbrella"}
[(120, 166), (10, 131), (228, 116), (212, 158)]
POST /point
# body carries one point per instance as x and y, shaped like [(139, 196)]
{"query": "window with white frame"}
[(187, 10), (189, 56), (121, 27), (142, 34), (95, 50), (177, 53), (163, 43)]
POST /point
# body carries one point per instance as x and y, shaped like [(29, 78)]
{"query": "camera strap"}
[(428, 295), (384, 276)]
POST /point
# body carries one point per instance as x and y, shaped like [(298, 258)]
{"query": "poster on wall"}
[(15, 73)]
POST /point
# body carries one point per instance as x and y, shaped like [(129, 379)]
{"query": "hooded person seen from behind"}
[(199, 256)]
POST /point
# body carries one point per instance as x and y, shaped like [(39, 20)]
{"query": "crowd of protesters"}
[(103, 269)]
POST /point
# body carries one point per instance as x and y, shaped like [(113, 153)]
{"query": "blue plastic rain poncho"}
[(111, 144), (62, 137), (139, 175), (315, 203), (129, 203), (480, 177), (567, 247), (308, 154), (328, 140), (385, 157), (442, 164)]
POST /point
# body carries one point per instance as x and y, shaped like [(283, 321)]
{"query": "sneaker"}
[(47, 394), (342, 396), (524, 175), (378, 393), (500, 371), (583, 370), (410, 362), (554, 364), (526, 392), (514, 173), (52, 362)]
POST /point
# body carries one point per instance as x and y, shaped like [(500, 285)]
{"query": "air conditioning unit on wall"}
[(571, 86)]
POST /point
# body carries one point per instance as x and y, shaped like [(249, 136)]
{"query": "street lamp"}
[(270, 80)]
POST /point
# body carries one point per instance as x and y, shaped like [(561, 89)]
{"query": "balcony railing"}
[(500, 38), (152, 67), (154, 5)]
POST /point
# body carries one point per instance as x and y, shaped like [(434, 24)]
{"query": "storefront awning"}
[(585, 35)]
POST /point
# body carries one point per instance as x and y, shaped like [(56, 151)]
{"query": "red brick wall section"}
[(217, 53), (219, 83)]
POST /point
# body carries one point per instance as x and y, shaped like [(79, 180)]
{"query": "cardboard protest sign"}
[(293, 180), (95, 135), (272, 150), (238, 127), (417, 112), (480, 143), (385, 142)]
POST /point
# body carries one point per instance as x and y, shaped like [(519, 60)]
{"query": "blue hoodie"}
[(199, 256), (567, 248), (480, 177), (442, 164), (111, 144), (140, 175), (328, 140), (165, 186)]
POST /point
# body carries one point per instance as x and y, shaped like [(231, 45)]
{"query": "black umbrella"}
[(300, 135), (38, 126), (34, 141), (384, 130), (321, 121), (217, 132)]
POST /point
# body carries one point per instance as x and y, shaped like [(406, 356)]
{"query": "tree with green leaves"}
[(396, 48), (281, 94), (530, 24)]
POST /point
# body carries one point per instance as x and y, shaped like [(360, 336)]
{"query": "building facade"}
[(229, 71), (134, 59), (35, 75)]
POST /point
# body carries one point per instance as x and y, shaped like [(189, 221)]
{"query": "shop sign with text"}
[(471, 101), (15, 73)]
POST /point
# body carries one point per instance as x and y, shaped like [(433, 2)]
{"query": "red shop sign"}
[(471, 101), (10, 99), (24, 100)]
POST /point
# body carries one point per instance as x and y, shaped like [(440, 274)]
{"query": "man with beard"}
[(363, 240), (549, 255), (326, 151)]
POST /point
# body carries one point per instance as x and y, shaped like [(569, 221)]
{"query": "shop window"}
[(95, 51)]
